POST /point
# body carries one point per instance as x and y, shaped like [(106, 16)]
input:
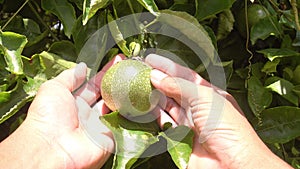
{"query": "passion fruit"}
[(126, 87), (255, 12)]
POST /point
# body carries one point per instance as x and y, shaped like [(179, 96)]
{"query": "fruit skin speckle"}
[(126, 87)]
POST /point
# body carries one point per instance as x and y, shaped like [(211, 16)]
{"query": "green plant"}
[(41, 38), (255, 12)]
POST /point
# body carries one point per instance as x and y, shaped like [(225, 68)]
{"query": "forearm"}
[(24, 149), (258, 155), (264, 159)]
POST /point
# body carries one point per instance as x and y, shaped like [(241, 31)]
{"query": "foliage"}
[(41, 38)]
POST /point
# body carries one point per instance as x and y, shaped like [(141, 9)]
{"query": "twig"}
[(247, 43), (14, 15), (42, 21), (295, 11)]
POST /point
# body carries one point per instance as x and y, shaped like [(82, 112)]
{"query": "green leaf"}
[(38, 69), (184, 7), (279, 124), (12, 45), (187, 25), (284, 88), (296, 89), (19, 96), (259, 98), (256, 70), (53, 64), (65, 49), (288, 73), (273, 53), (131, 138), (17, 100), (82, 33), (225, 25), (271, 66), (117, 35), (179, 144), (4, 97), (90, 7), (78, 3), (264, 28), (150, 6), (288, 18), (126, 7), (208, 8), (27, 27), (64, 11)]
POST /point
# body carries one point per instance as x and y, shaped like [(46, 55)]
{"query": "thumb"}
[(72, 78)]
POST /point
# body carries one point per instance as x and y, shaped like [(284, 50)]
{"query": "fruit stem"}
[(295, 11)]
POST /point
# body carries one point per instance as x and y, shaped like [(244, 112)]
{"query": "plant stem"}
[(295, 11), (247, 43), (14, 15), (42, 21)]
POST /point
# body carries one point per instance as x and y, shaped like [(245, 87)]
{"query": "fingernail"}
[(157, 76), (80, 69), (149, 59)]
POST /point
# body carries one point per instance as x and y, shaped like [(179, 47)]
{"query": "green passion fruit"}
[(126, 87), (255, 12)]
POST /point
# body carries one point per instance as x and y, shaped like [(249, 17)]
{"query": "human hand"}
[(223, 136), (52, 126)]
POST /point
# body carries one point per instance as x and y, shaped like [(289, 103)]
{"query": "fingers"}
[(90, 92), (72, 78), (182, 91), (163, 117), (178, 114), (101, 108), (174, 70), (92, 126)]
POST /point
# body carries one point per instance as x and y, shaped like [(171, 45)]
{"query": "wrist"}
[(258, 155), (33, 151)]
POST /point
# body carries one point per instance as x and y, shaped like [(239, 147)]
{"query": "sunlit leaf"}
[(117, 35), (279, 124), (179, 144), (53, 64), (131, 138), (17, 100), (284, 88), (273, 53), (271, 66), (64, 11), (44, 66), (150, 6), (12, 44), (4, 97), (90, 7)]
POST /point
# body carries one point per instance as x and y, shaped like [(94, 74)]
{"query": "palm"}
[(55, 114)]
